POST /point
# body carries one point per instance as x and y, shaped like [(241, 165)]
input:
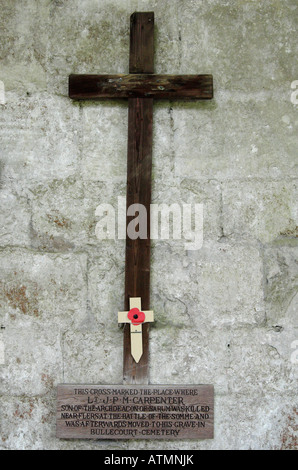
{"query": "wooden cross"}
[(135, 317), (140, 87)]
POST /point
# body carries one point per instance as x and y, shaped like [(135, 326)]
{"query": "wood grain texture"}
[(137, 259), (139, 167), (160, 87), (141, 56), (138, 412)]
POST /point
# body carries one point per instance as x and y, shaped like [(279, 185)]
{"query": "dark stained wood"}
[(186, 87), (139, 165), (137, 263), (138, 412), (141, 53)]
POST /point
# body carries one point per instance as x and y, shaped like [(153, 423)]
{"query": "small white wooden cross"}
[(136, 317)]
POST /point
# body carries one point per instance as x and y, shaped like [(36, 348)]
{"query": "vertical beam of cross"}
[(139, 165)]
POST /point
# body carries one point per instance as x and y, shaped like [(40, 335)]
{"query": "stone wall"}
[(226, 314)]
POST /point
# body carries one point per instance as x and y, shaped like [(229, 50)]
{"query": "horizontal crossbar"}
[(168, 87)]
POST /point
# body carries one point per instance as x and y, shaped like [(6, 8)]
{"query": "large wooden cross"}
[(141, 86)]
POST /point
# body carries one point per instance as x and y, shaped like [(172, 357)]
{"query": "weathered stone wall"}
[(225, 314)]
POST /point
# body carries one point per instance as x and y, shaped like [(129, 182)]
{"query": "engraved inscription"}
[(138, 412)]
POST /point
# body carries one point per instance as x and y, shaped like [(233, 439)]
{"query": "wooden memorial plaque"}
[(135, 412)]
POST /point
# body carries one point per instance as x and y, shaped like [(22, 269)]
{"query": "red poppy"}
[(135, 316)]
